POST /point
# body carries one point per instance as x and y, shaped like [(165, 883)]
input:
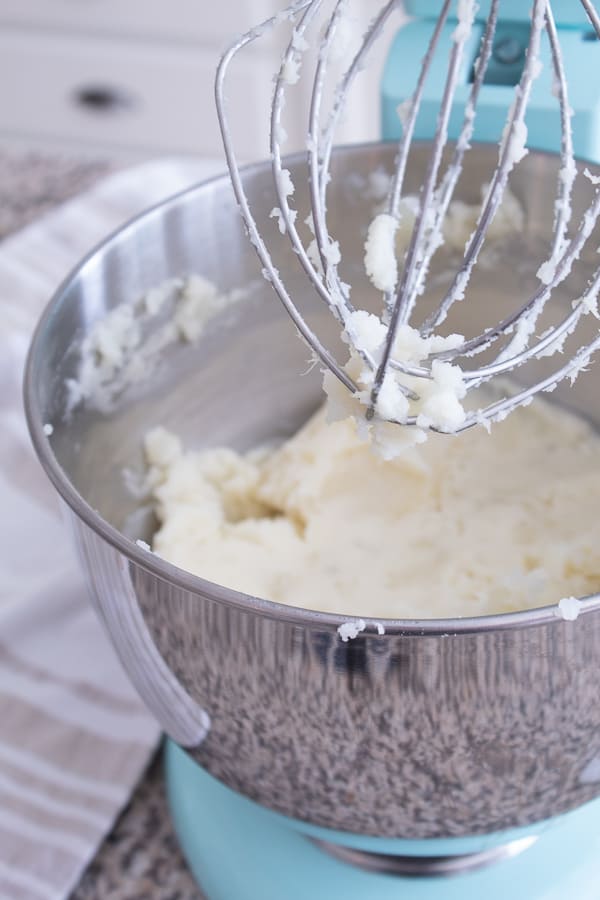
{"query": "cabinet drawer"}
[(125, 94), (189, 20)]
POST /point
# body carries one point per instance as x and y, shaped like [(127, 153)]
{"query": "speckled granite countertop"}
[(140, 859), (32, 184)]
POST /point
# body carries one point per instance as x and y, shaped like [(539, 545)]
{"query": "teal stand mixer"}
[(580, 48), (422, 759), (239, 850)]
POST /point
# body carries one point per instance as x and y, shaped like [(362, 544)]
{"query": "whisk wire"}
[(321, 261), (254, 234), (404, 300), (446, 190)]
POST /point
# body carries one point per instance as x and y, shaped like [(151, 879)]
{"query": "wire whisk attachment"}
[(398, 371)]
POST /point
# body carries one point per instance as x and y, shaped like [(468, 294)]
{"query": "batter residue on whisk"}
[(459, 526)]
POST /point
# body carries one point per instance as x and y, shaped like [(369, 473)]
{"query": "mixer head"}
[(402, 369)]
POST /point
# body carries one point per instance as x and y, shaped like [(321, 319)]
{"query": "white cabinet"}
[(121, 94), (136, 77), (127, 76)]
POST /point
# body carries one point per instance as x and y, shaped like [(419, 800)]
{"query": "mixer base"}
[(237, 850)]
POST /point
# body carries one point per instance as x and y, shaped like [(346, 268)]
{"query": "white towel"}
[(74, 737)]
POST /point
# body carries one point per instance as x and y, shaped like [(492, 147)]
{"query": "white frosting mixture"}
[(435, 402), (457, 527), (118, 351)]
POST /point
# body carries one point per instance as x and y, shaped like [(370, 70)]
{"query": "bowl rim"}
[(195, 584)]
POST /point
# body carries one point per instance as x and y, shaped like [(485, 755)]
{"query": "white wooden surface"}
[(200, 21)]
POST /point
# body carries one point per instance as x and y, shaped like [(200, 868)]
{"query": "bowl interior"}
[(248, 378)]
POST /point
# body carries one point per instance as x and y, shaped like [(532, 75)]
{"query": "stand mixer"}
[(441, 759)]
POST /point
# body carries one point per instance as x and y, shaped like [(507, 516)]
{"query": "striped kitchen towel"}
[(74, 737)]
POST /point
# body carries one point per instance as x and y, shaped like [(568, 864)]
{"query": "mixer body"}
[(434, 729), (580, 50)]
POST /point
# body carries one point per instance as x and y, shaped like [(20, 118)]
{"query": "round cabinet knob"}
[(508, 51), (98, 98)]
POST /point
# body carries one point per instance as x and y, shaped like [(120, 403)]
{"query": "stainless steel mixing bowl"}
[(434, 729)]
